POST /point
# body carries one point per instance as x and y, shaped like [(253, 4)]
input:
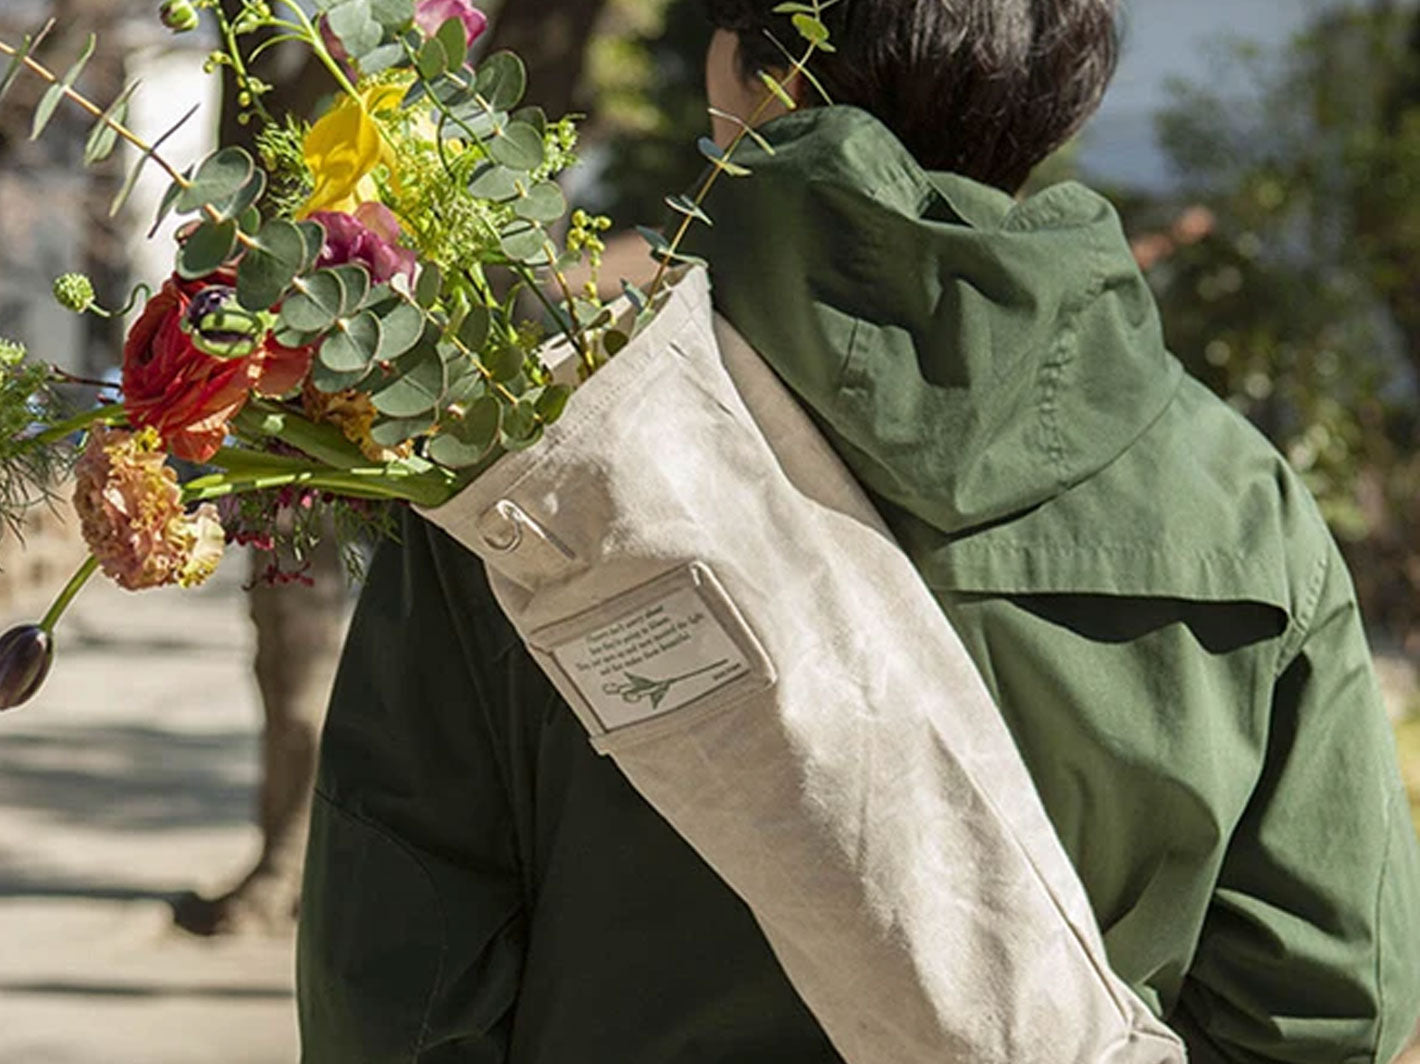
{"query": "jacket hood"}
[(969, 356)]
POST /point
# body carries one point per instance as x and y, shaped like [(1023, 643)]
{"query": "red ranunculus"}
[(187, 395)]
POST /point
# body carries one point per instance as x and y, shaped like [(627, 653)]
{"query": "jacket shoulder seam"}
[(1304, 615)]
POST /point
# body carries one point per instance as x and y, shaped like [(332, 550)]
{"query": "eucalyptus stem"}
[(148, 151), (44, 73), (686, 220), (66, 596), (318, 48)]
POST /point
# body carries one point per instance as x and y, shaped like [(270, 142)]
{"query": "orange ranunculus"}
[(187, 395)]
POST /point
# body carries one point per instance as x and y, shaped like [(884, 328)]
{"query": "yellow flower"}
[(346, 145)]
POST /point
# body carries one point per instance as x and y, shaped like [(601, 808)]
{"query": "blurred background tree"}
[(1287, 265)]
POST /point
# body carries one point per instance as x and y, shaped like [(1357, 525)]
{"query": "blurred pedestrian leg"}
[(299, 630)]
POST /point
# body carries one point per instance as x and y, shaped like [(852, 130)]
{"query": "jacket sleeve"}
[(410, 945), (1311, 949)]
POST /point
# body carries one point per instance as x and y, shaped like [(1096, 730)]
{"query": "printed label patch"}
[(652, 660)]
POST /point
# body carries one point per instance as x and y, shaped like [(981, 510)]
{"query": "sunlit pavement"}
[(127, 781)]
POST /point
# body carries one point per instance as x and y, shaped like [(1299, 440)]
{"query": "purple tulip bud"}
[(26, 653)]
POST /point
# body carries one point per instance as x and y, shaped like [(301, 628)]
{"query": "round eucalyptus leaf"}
[(522, 443), (429, 285), (432, 60), (331, 381), (315, 304), (473, 330), (209, 246), (313, 239), (520, 426), (464, 441), (381, 59), (250, 221), (354, 24), (466, 383), (417, 385), (517, 146), (525, 242), (294, 338), (533, 116), (269, 266), (501, 81), (355, 284), (503, 363), (245, 197), (393, 15), (352, 344), (493, 182), (613, 340), (220, 177), (391, 432), (454, 38), (552, 402), (542, 203), (400, 329)]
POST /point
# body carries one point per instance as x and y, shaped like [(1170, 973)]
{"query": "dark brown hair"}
[(983, 88)]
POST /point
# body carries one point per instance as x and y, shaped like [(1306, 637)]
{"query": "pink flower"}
[(429, 15), (132, 517), (369, 237)]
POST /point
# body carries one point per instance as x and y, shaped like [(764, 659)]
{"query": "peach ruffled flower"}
[(131, 514)]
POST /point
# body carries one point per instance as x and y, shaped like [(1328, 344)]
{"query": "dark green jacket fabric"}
[(1147, 589)]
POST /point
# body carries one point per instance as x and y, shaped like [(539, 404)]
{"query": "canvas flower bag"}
[(726, 614)]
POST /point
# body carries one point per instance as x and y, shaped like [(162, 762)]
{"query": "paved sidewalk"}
[(129, 780)]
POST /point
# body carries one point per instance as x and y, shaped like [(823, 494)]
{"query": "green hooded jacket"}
[(1146, 587)]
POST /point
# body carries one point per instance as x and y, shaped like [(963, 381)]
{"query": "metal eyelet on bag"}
[(510, 537)]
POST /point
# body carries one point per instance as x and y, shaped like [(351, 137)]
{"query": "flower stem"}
[(325, 443), (426, 487), (111, 414), (66, 596)]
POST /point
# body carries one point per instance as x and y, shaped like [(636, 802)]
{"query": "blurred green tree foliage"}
[(1293, 285), (647, 75)]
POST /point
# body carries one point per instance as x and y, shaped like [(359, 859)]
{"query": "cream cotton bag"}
[(723, 609)]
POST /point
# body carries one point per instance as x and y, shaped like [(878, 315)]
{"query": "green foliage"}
[(649, 81), (28, 472), (1297, 303), (271, 262), (289, 181)]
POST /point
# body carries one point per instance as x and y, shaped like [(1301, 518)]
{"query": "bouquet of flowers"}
[(343, 328)]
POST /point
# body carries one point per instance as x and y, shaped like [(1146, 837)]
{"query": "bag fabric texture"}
[(707, 586)]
